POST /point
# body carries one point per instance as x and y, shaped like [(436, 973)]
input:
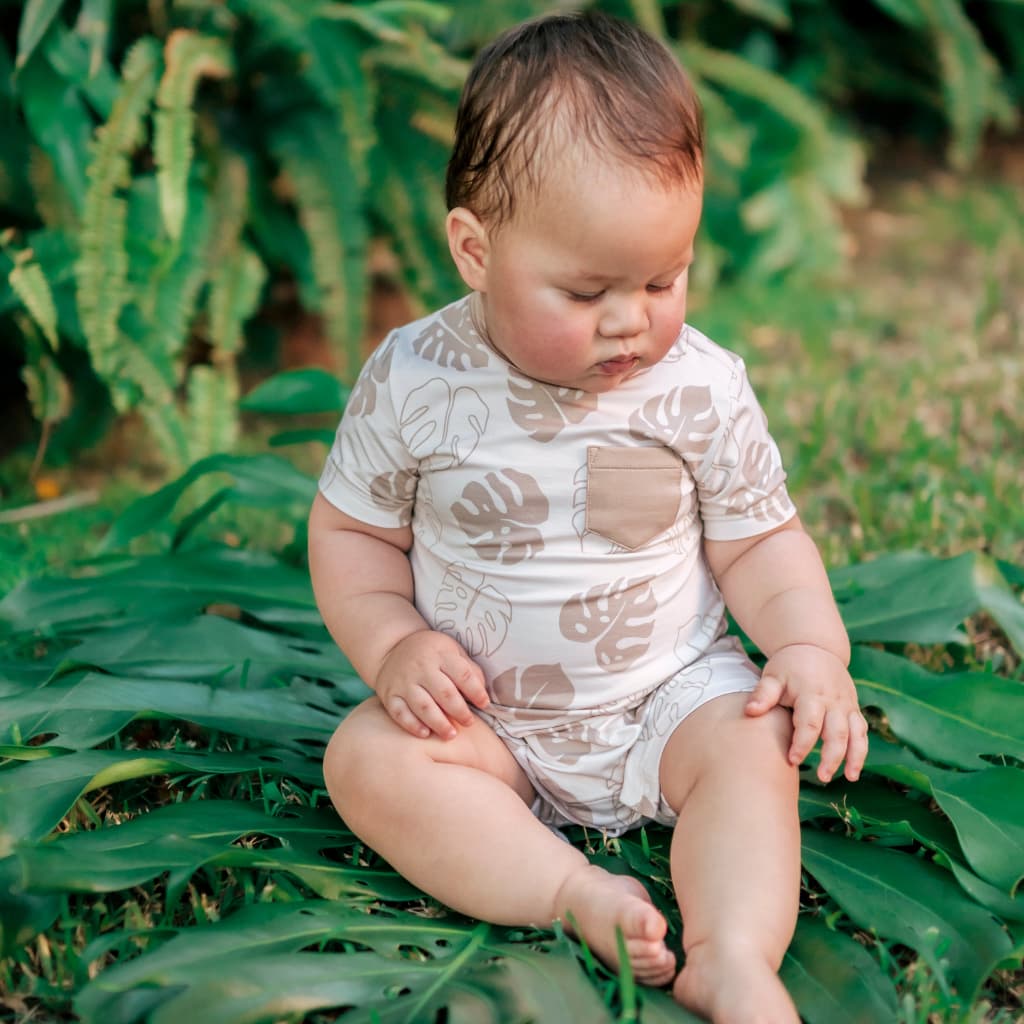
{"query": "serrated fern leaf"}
[(230, 205), (55, 205), (318, 160), (48, 392), (330, 51), (29, 283), (166, 426), (730, 71), (969, 76), (234, 294), (102, 266), (169, 302), (212, 424), (188, 57)]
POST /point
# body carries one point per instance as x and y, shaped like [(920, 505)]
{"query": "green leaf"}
[(985, 807), (775, 12), (189, 56), (906, 899), (23, 915), (30, 285), (210, 646), (880, 810), (143, 589), (183, 837), (102, 267), (322, 162), (834, 980), (36, 795), (915, 597), (954, 718), (263, 930), (297, 391), (211, 423), (271, 715), (266, 481), (474, 978), (36, 18)]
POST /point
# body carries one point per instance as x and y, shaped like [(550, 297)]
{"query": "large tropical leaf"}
[(904, 898), (956, 718)]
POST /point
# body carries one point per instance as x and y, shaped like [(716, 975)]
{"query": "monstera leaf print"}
[(451, 340), (536, 686), (618, 618), (391, 490), (699, 633), (363, 399), (684, 418), (501, 515), (441, 422), (543, 410), (471, 610)]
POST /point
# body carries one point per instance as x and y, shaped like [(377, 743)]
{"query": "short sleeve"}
[(741, 483), (369, 472)]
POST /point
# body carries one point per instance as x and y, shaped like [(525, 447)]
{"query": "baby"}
[(540, 500)]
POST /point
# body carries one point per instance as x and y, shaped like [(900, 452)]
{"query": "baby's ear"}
[(468, 242)]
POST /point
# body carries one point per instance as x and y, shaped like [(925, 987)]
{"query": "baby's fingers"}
[(424, 706), (765, 696), (402, 715), (469, 681), (835, 737), (808, 717), (857, 750)]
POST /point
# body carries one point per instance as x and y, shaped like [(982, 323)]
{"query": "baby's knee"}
[(359, 758)]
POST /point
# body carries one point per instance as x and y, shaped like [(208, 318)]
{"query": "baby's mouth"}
[(618, 364)]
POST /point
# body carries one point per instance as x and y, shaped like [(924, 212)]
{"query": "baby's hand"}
[(816, 685), (425, 681)]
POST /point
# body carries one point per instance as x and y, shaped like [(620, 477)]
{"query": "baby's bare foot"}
[(733, 987), (592, 903)]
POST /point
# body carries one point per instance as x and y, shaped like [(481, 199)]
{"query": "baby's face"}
[(586, 285)]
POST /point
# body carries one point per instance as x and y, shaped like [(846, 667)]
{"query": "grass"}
[(893, 391)]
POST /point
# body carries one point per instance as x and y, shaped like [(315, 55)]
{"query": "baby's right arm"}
[(363, 586)]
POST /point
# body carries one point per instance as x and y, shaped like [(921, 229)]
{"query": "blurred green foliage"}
[(163, 163)]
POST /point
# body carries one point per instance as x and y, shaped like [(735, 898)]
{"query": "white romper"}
[(557, 536)]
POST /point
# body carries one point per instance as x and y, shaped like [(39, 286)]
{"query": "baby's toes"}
[(642, 923), (651, 963)]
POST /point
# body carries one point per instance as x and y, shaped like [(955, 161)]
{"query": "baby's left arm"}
[(776, 587)]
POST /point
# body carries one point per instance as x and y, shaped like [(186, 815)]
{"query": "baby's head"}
[(574, 196), (583, 86)]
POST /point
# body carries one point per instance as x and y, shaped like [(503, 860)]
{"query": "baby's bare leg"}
[(735, 859), (453, 817)]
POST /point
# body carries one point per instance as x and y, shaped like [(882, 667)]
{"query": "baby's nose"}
[(624, 318)]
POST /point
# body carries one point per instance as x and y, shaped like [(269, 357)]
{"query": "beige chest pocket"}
[(633, 494)]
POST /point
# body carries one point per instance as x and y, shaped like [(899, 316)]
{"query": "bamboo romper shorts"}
[(557, 538)]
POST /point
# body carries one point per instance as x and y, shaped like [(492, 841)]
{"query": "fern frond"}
[(188, 57), (406, 196), (319, 162), (970, 76), (102, 266), (330, 54), (212, 421), (49, 394), (29, 283), (55, 205), (168, 302), (234, 295), (731, 71), (166, 426), (230, 205)]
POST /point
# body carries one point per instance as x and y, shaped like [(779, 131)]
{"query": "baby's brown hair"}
[(616, 89)]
